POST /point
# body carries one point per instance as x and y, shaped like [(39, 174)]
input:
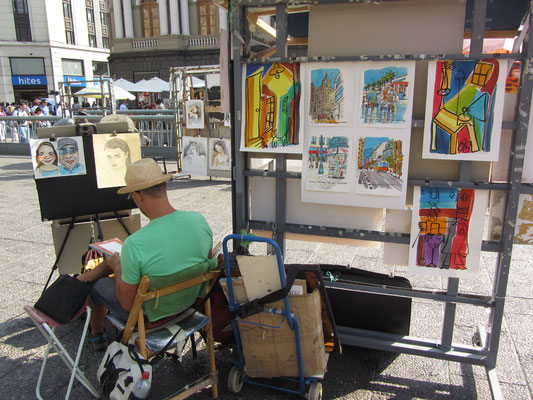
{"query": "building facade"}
[(45, 42), (151, 36)]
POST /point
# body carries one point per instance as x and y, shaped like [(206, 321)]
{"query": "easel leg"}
[(56, 263)]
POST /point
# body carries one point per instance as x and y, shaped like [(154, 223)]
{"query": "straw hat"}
[(143, 174)]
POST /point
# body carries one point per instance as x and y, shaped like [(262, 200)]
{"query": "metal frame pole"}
[(281, 159), (515, 178), (239, 182)]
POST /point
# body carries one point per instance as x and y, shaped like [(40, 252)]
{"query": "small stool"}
[(46, 326)]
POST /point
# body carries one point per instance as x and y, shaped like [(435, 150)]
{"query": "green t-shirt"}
[(166, 245)]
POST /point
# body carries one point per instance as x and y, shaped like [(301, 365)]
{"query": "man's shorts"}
[(103, 294)]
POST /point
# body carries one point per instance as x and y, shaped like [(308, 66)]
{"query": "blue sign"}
[(75, 81), (29, 80)]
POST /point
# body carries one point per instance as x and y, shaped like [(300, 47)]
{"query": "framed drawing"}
[(464, 108), (112, 153), (271, 108), (194, 114), (447, 231), (380, 166), (51, 158), (327, 163), (194, 155), (331, 92), (386, 94), (220, 154)]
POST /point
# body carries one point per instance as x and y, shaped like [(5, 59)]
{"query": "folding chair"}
[(151, 341), (47, 326)]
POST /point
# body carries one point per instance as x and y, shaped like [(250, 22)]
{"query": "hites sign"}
[(27, 80)]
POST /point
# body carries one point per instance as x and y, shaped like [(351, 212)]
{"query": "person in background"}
[(34, 106), (2, 124), (45, 107), (159, 105), (23, 131), (76, 105), (40, 124), (123, 106)]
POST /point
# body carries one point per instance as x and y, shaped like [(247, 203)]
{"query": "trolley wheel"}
[(315, 391), (235, 380)]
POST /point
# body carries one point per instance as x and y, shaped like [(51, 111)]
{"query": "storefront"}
[(28, 77)]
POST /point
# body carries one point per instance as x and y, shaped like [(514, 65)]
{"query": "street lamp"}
[(321, 155)]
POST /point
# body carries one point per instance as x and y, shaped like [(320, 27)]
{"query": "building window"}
[(72, 67), (27, 66), (207, 14), (104, 23), (69, 26), (89, 8), (150, 13), (22, 20), (100, 69), (90, 15)]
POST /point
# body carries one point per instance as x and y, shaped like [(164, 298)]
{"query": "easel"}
[(71, 226)]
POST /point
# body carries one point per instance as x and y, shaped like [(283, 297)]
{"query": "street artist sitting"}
[(171, 242)]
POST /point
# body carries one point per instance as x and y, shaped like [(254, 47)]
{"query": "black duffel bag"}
[(64, 298)]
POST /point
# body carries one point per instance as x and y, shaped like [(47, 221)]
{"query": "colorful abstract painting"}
[(385, 95), (326, 96), (327, 163), (446, 231), (379, 166), (464, 109), (272, 108)]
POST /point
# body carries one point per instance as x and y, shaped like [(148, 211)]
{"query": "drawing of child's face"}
[(46, 155), (116, 158), (69, 156)]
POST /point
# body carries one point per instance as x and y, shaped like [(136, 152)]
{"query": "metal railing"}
[(156, 129)]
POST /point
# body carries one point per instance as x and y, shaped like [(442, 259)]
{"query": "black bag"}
[(63, 298), (376, 312)]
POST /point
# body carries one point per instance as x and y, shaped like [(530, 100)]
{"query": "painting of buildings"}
[(272, 107), (327, 163), (385, 96), (379, 166), (464, 109), (326, 96), (446, 230)]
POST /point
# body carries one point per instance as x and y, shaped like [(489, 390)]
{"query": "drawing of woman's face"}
[(46, 156), (218, 148), (116, 158)]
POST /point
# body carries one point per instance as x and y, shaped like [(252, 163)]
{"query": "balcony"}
[(167, 42)]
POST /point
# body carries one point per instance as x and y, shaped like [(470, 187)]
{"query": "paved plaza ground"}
[(27, 255)]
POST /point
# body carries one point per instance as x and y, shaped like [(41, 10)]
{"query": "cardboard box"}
[(270, 352)]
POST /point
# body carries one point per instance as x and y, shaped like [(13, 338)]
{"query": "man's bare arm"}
[(124, 292)]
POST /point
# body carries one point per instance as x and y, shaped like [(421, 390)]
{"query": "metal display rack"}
[(486, 353), (181, 90)]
